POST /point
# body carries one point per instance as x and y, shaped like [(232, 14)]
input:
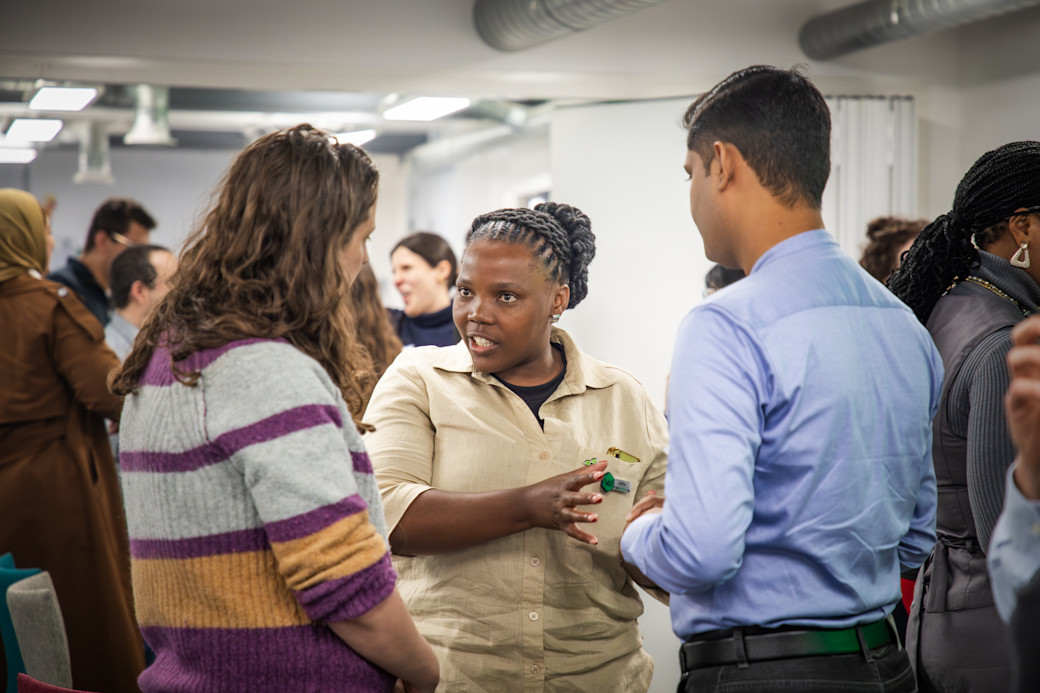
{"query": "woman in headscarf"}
[(59, 492), (970, 278)]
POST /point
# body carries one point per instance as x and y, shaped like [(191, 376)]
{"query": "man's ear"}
[(139, 292), (724, 164)]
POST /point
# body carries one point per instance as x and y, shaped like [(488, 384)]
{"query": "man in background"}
[(800, 471), (118, 224), (138, 281)]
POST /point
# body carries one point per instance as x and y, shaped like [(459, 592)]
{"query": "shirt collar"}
[(124, 327), (797, 243), (583, 372)]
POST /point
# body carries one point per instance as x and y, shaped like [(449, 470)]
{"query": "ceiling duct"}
[(513, 25), (95, 164), (874, 22), (151, 117)]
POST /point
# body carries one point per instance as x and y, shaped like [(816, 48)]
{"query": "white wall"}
[(997, 113), (446, 199), (174, 185)]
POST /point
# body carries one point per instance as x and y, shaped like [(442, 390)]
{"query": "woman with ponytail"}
[(491, 452), (970, 278)]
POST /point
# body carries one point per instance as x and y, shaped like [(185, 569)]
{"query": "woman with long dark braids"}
[(970, 278), (489, 454)]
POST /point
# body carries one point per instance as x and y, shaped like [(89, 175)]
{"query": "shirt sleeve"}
[(273, 412), (403, 443), (718, 388), (917, 543), (1014, 555), (990, 449)]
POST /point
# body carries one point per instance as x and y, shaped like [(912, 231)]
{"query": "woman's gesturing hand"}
[(552, 504)]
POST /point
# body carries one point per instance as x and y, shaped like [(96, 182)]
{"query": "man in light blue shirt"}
[(1014, 550), (800, 403)]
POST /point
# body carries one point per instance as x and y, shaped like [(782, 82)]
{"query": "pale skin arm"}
[(386, 636), (1023, 405), (445, 521)]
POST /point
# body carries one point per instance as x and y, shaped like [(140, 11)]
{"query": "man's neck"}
[(133, 314), (771, 229), (97, 266)]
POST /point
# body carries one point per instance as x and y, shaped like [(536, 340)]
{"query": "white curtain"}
[(873, 165)]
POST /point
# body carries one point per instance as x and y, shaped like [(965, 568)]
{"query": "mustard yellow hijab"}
[(23, 238)]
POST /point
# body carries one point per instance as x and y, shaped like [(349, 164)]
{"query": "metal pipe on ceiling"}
[(871, 23), (513, 25)]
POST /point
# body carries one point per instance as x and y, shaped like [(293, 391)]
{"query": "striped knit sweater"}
[(253, 517)]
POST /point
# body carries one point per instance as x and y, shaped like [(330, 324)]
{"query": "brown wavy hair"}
[(885, 235), (265, 262), (373, 325)]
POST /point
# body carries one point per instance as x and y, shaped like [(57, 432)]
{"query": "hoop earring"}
[(554, 318), (1021, 258)]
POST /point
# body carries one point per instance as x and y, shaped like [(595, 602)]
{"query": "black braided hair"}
[(998, 183), (559, 235)]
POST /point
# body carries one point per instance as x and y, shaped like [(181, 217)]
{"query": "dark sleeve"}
[(82, 357), (990, 450)]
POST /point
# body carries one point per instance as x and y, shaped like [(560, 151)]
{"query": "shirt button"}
[(544, 454), (535, 669), (536, 561), (533, 615)]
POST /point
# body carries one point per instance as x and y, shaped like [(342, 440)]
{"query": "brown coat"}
[(59, 489)]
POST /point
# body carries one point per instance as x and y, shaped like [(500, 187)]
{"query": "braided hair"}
[(1001, 181), (560, 237)]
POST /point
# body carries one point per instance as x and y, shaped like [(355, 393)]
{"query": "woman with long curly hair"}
[(970, 277), (252, 510)]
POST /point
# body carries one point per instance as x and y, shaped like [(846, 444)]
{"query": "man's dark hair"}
[(132, 265), (780, 123), (114, 216)]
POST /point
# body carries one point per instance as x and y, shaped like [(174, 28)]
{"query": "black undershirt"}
[(536, 395)]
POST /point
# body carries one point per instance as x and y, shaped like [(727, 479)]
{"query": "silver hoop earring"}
[(1021, 258), (555, 318)]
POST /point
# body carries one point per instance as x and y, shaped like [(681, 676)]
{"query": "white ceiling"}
[(677, 48)]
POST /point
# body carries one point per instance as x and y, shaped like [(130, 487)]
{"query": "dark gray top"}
[(976, 400)]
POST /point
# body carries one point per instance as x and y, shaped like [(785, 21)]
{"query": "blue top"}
[(1014, 551), (77, 277), (800, 470), (429, 329)]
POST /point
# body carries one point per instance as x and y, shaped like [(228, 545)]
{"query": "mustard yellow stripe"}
[(341, 549), (241, 590)]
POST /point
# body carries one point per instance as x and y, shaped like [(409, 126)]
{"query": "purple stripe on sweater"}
[(240, 541), (227, 444), (316, 520), (160, 368), (350, 596), (362, 463), (300, 658)]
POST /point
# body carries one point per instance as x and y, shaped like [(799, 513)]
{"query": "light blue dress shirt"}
[(120, 334), (800, 468), (1014, 550)]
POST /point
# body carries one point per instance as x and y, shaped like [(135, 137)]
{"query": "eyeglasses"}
[(121, 239), (1027, 210)]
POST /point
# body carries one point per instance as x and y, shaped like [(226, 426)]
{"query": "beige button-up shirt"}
[(537, 610)]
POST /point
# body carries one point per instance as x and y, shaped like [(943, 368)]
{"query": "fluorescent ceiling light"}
[(358, 137), (425, 108), (33, 129), (63, 98), (21, 155)]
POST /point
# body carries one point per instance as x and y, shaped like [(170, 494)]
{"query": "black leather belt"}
[(737, 646)]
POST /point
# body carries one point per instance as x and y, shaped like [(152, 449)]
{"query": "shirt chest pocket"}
[(618, 487)]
